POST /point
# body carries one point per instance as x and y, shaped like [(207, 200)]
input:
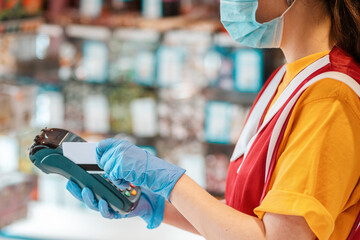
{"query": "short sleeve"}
[(317, 166)]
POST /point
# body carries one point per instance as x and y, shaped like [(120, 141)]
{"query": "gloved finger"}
[(89, 198), (120, 183), (108, 161), (111, 157), (74, 189), (102, 147), (112, 153), (115, 173), (106, 212), (113, 161), (118, 172), (123, 184), (130, 165)]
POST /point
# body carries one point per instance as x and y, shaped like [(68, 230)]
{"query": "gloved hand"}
[(122, 160), (150, 207)]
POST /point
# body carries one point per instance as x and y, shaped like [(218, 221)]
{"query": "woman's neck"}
[(306, 31)]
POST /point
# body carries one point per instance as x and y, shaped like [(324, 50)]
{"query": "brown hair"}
[(345, 31)]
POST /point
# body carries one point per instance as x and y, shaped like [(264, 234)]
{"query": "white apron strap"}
[(249, 133), (255, 116)]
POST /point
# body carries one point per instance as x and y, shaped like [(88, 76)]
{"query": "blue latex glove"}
[(122, 160), (150, 207)]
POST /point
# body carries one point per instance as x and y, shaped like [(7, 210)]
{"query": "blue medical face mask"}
[(239, 19)]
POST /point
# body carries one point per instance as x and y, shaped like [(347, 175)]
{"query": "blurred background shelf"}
[(27, 25), (235, 97), (15, 194)]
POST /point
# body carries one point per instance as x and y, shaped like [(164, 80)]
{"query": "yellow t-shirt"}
[(318, 162)]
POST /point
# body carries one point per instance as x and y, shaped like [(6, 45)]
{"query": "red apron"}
[(254, 157)]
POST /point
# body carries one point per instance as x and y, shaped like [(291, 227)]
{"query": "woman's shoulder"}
[(329, 90)]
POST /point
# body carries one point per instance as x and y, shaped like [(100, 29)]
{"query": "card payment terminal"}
[(46, 153)]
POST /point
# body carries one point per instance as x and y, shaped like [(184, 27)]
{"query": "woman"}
[(295, 169)]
